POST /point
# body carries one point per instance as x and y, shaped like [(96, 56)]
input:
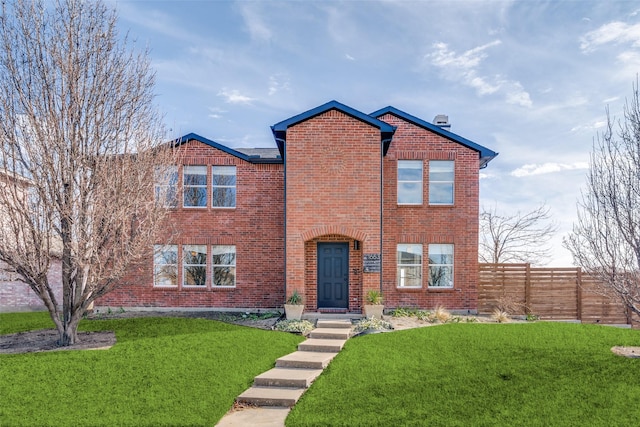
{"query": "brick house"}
[(345, 203)]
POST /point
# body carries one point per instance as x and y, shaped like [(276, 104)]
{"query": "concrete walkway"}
[(274, 392)]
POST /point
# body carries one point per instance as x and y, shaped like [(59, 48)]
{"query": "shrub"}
[(372, 324), (302, 327)]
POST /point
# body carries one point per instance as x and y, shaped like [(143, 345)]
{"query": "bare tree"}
[(605, 240), (520, 237), (80, 153)]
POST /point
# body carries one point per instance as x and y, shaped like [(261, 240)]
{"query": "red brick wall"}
[(457, 224), (17, 296), (333, 188), (255, 227)]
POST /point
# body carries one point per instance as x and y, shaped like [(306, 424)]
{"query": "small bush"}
[(500, 316), (373, 323), (296, 326), (441, 314)]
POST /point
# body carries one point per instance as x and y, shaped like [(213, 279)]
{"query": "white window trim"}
[(399, 269), (213, 268), (185, 265), (452, 182), (453, 252), (205, 186), (213, 187), (161, 248), (421, 183)]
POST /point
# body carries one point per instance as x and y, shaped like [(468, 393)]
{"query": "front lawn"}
[(161, 372), (534, 374)]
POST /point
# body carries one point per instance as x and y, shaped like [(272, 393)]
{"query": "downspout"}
[(284, 162)]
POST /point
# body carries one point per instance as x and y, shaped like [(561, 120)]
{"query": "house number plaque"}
[(371, 263)]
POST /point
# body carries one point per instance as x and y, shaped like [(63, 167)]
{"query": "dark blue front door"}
[(333, 275)]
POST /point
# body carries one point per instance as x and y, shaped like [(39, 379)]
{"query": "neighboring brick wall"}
[(333, 188), (255, 227), (17, 296), (457, 224)]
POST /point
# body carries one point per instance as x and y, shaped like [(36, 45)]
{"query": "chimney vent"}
[(442, 120)]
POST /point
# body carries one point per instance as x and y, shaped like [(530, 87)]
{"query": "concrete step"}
[(330, 333), (322, 345), (271, 396), (337, 324), (306, 360), (287, 377)]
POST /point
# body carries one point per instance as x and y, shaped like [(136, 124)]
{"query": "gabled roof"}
[(280, 129), (486, 155), (267, 155)]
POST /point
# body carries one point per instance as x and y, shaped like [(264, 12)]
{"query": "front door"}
[(333, 275)]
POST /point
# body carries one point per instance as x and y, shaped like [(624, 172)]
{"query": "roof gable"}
[(280, 129), (486, 155), (266, 156)]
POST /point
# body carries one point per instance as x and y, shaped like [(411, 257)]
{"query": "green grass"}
[(161, 372), (538, 374)]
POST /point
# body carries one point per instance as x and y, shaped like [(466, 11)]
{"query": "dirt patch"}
[(47, 340), (633, 352)]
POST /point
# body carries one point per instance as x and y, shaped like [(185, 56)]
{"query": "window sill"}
[(408, 289), (432, 289), (223, 288), (165, 288)]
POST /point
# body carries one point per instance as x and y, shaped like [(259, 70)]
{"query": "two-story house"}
[(346, 202)]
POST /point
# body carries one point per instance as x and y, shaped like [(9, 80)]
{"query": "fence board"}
[(551, 293)]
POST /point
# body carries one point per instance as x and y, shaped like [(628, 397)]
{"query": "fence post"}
[(527, 288), (579, 292)]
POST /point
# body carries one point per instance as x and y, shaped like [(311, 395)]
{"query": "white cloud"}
[(464, 67), (349, 57), (235, 97), (545, 168), (278, 83), (216, 113), (613, 32)]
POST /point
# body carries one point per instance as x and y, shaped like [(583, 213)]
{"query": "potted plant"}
[(294, 307), (373, 306)]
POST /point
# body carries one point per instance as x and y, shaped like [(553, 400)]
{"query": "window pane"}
[(224, 261), (194, 259), (441, 182), (195, 196), (410, 182), (165, 265), (195, 186), (224, 175), (195, 175), (441, 265), (409, 257), (166, 185), (224, 197), (224, 186), (224, 276)]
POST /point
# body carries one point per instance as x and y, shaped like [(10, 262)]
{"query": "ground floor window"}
[(409, 258), (194, 265), (224, 265), (441, 266), (165, 265)]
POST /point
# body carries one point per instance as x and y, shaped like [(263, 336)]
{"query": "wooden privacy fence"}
[(551, 293)]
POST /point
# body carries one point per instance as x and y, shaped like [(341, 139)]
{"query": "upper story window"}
[(441, 266), (194, 265), (441, 180), (167, 185), (195, 186), (224, 265), (409, 182), (223, 186), (165, 265), (409, 265)]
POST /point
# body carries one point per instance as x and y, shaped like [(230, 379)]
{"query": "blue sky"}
[(528, 79)]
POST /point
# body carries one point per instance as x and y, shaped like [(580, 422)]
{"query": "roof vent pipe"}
[(442, 120)]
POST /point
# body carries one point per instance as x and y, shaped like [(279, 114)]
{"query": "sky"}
[(529, 79)]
